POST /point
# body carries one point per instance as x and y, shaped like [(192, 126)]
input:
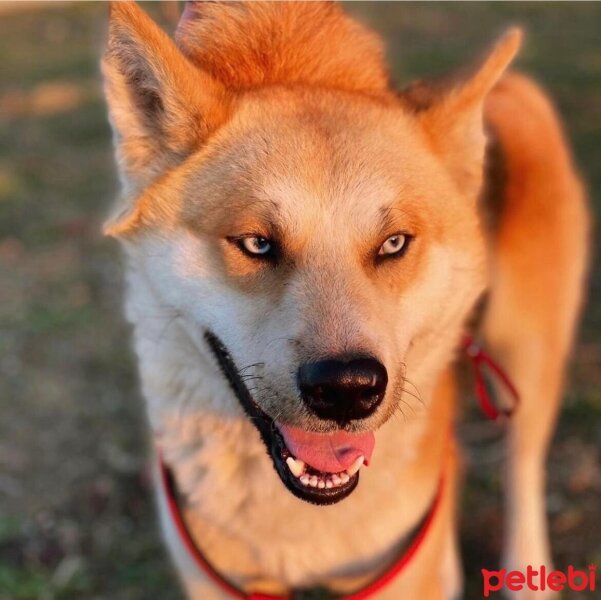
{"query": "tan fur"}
[(253, 44), (276, 119)]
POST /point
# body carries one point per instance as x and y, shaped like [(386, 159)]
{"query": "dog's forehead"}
[(291, 154), (333, 142)]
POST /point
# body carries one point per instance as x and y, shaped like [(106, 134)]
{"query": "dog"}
[(305, 248)]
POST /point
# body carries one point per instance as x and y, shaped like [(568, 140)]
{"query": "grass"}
[(76, 517)]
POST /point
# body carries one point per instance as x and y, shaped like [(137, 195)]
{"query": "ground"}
[(76, 514)]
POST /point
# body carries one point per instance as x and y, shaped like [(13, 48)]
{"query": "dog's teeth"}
[(327, 481), (297, 467), (355, 466)]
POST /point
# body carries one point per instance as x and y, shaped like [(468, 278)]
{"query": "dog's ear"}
[(161, 107), (453, 118)]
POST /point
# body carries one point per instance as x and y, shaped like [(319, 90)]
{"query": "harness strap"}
[(481, 361)]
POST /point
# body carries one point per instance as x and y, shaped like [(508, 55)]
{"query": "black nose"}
[(343, 390)]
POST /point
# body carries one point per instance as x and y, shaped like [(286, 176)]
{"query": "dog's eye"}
[(395, 245), (255, 246)]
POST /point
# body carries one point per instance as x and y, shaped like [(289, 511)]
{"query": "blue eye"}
[(255, 246), (394, 245)]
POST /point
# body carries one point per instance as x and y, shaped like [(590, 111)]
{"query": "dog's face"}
[(318, 242)]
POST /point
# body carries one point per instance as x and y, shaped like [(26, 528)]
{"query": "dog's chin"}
[(309, 484)]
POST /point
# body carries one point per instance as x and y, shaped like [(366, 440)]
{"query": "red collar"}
[(369, 591), (479, 360)]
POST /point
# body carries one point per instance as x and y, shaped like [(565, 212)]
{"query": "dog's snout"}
[(343, 390)]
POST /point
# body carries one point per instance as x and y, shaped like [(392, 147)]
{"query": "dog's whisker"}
[(416, 394), (250, 377), (245, 368), (405, 391)]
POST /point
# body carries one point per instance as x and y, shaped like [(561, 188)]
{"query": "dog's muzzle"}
[(331, 471)]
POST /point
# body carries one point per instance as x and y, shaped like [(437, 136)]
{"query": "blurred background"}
[(76, 512)]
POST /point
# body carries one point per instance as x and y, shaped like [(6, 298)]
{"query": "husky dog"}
[(305, 247)]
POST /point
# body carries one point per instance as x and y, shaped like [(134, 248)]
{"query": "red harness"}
[(479, 359)]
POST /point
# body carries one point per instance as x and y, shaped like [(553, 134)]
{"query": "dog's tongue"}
[(328, 452)]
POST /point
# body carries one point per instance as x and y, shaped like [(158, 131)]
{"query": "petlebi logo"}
[(539, 579)]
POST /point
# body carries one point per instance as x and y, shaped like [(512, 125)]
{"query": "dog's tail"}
[(249, 44), (543, 216), (533, 142)]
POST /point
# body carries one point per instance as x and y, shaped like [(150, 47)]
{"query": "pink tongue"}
[(328, 452)]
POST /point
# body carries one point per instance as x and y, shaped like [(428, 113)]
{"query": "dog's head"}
[(317, 232)]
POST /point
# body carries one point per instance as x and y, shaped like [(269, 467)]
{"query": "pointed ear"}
[(161, 107), (453, 119)]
